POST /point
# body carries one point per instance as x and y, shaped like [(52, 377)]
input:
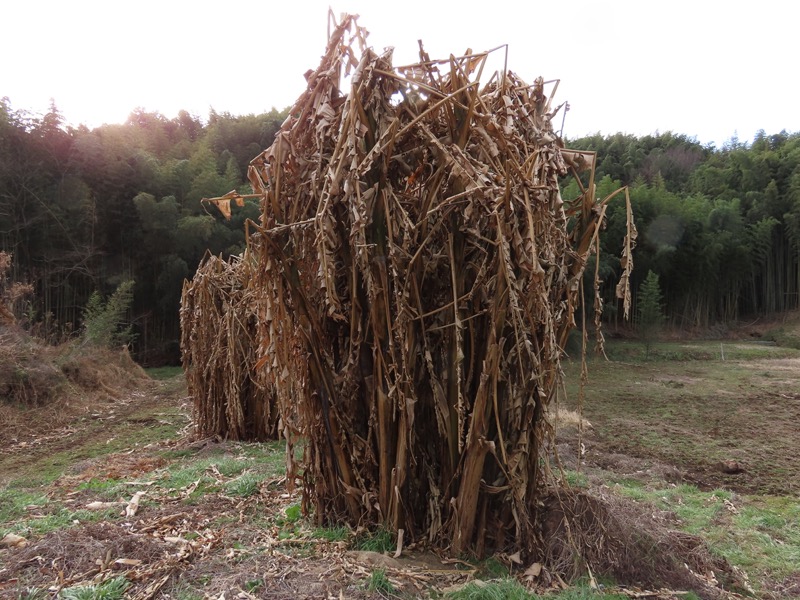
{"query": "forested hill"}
[(84, 210), (720, 227)]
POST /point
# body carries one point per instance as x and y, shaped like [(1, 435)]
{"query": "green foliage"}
[(498, 589), (293, 513), (110, 589), (105, 322), (378, 582), (82, 209), (244, 486), (380, 540), (492, 568), (650, 310), (33, 594), (332, 534)]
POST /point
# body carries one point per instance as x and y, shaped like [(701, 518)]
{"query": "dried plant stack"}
[(418, 275), (218, 347)]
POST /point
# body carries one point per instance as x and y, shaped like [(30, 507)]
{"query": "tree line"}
[(720, 227), (83, 211)]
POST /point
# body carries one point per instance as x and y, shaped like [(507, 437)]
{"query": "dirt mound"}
[(608, 536), (28, 373), (58, 380)]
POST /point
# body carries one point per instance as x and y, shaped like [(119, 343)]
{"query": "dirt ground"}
[(679, 424), (733, 425)]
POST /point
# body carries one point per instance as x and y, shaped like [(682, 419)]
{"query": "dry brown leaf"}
[(98, 505), (133, 505), (12, 540), (533, 571)]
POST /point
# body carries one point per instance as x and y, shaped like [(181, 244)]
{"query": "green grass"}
[(62, 518), (379, 583), (13, 502), (575, 479), (162, 373), (332, 534), (786, 335), (33, 594), (759, 534), (704, 350), (507, 588), (104, 489), (498, 589), (244, 486), (492, 568), (111, 589), (380, 540)]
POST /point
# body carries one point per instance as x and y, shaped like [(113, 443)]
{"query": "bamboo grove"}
[(418, 274), (83, 209)]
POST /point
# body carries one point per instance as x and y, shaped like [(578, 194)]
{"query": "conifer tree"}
[(650, 311)]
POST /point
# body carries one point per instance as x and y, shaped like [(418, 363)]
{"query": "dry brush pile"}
[(218, 343), (418, 275)]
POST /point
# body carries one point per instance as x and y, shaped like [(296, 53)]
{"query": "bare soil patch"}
[(697, 417), (181, 542)]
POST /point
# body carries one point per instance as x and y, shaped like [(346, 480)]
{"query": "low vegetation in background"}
[(105, 321)]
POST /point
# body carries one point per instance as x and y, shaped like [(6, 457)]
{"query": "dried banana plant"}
[(419, 274), (218, 347)]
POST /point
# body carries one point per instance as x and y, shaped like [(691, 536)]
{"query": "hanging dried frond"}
[(218, 347), (420, 273)]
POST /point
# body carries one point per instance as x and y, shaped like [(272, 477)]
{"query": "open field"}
[(215, 518)]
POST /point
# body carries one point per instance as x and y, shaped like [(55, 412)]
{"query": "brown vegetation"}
[(218, 344), (419, 274)]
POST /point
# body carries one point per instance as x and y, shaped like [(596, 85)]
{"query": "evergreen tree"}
[(650, 311)]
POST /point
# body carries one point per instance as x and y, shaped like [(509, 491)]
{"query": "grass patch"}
[(13, 503), (111, 589), (104, 489), (574, 479), (497, 589), (163, 373), (244, 486), (759, 534), (33, 594), (492, 568), (381, 540), (63, 518), (332, 534), (507, 588), (704, 350), (378, 582)]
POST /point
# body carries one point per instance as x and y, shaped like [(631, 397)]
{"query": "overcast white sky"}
[(707, 69)]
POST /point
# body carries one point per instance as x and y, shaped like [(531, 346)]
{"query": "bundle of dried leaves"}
[(420, 273), (218, 349)]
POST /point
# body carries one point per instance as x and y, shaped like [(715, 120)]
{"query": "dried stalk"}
[(412, 328)]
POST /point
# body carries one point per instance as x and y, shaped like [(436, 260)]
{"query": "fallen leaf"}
[(133, 505), (12, 540), (128, 562), (399, 551), (97, 505), (175, 540), (534, 570)]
